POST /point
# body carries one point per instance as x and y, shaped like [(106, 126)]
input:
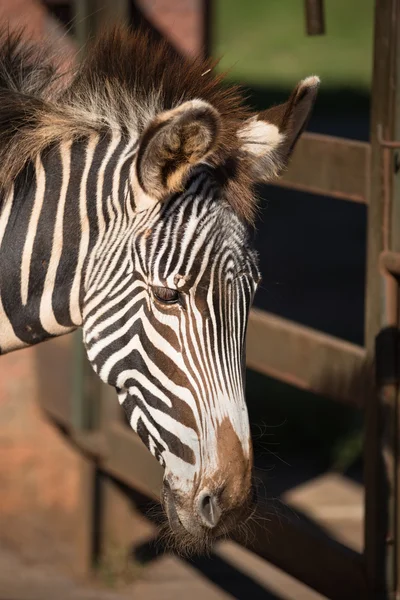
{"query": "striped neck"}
[(51, 222)]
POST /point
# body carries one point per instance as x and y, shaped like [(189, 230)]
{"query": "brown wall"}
[(39, 470), (180, 20)]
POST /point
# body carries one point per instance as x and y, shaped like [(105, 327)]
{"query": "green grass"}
[(263, 42)]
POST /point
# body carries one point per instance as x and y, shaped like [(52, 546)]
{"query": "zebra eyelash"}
[(166, 295)]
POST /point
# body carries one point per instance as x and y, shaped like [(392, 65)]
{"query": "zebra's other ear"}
[(173, 143), (268, 138)]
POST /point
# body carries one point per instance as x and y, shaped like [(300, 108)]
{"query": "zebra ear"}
[(268, 139), (172, 144)]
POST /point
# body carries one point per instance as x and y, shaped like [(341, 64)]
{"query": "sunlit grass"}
[(264, 42)]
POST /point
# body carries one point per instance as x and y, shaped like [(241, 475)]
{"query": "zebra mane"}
[(124, 81)]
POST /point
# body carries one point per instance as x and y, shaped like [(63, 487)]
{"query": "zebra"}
[(127, 206)]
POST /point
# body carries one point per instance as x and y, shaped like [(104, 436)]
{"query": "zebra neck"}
[(44, 236)]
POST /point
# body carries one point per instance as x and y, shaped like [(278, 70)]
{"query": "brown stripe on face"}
[(234, 467)]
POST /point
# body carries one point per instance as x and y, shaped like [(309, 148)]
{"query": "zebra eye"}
[(166, 295)]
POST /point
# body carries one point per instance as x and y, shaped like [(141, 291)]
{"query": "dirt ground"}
[(167, 579), (331, 500)]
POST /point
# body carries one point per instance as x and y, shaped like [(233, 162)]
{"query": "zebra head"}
[(126, 198), (167, 299)]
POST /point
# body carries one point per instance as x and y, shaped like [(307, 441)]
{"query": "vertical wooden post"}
[(115, 510), (89, 17), (381, 497), (85, 518), (315, 17)]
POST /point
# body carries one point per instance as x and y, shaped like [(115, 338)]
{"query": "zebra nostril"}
[(209, 510)]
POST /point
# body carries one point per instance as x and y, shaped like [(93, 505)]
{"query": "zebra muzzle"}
[(204, 513)]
